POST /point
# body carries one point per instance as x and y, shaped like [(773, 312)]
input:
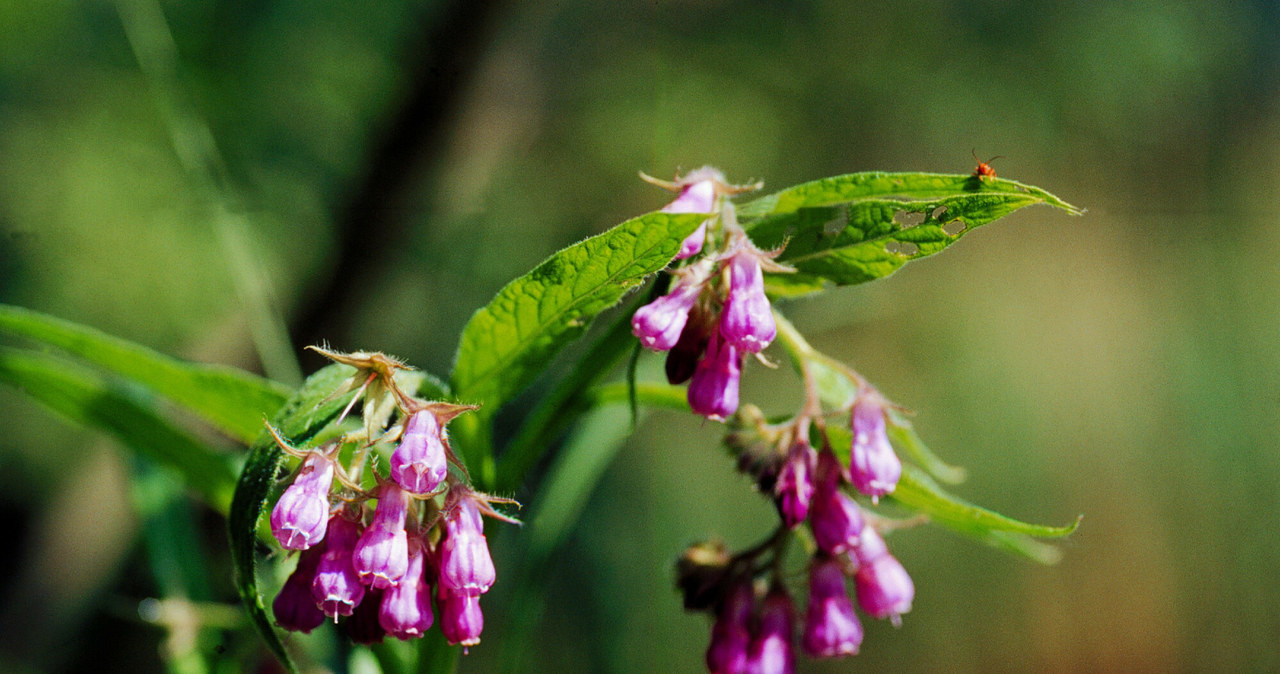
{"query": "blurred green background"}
[(383, 168)]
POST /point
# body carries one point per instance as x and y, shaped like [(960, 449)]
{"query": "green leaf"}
[(507, 343), (303, 421), (232, 400), (878, 185), (905, 439), (857, 228), (89, 398)]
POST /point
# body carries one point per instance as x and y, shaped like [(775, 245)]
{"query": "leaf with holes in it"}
[(861, 227), (507, 343)]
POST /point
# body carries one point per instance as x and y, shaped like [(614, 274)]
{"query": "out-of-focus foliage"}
[(1123, 364)]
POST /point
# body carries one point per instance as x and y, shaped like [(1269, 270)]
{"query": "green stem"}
[(664, 396)]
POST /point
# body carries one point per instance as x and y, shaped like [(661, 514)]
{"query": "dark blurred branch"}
[(442, 62)]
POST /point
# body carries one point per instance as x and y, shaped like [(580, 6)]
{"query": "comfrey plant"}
[(363, 499)]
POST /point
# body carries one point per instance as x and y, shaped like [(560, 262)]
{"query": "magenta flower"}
[(381, 556), (731, 633), (698, 196), (419, 465), (884, 588), (836, 519), (337, 588), (747, 322), (299, 518), (294, 608), (465, 564), (874, 468), (683, 358), (405, 612), (460, 617), (658, 324), (831, 628), (771, 651), (793, 490), (713, 390)]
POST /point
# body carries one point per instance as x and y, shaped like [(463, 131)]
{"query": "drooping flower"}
[(419, 465), (337, 588), (713, 390), (831, 627), (874, 468), (731, 633), (405, 612), (659, 324), (747, 322), (697, 195), (465, 564), (836, 519), (771, 650), (683, 358), (794, 487), (295, 608), (883, 586), (461, 619), (301, 516), (381, 556)]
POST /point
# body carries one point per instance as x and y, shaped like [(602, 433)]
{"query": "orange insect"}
[(984, 169)]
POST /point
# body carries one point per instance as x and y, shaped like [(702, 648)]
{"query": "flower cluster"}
[(423, 541), (716, 311)]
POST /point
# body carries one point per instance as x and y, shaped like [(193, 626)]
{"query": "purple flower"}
[(695, 197), (831, 628), (465, 564), (713, 390), (747, 322), (294, 608), (337, 588), (363, 627), (419, 464), (460, 617), (771, 651), (682, 359), (731, 633), (299, 519), (883, 586), (658, 324), (835, 518), (381, 557), (405, 612), (793, 490), (873, 466)]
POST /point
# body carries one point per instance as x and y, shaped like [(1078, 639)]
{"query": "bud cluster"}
[(382, 568), (716, 311)]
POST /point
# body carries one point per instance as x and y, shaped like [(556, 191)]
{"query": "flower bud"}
[(381, 556), (460, 617), (465, 564), (337, 588), (831, 628), (301, 515), (294, 608), (713, 390), (747, 321), (695, 197), (873, 467), (405, 612), (659, 324), (793, 490), (884, 588), (419, 465), (771, 651), (835, 518), (731, 633)]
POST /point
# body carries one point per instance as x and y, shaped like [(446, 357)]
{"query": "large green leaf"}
[(90, 398), (860, 227), (507, 343), (232, 400)]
